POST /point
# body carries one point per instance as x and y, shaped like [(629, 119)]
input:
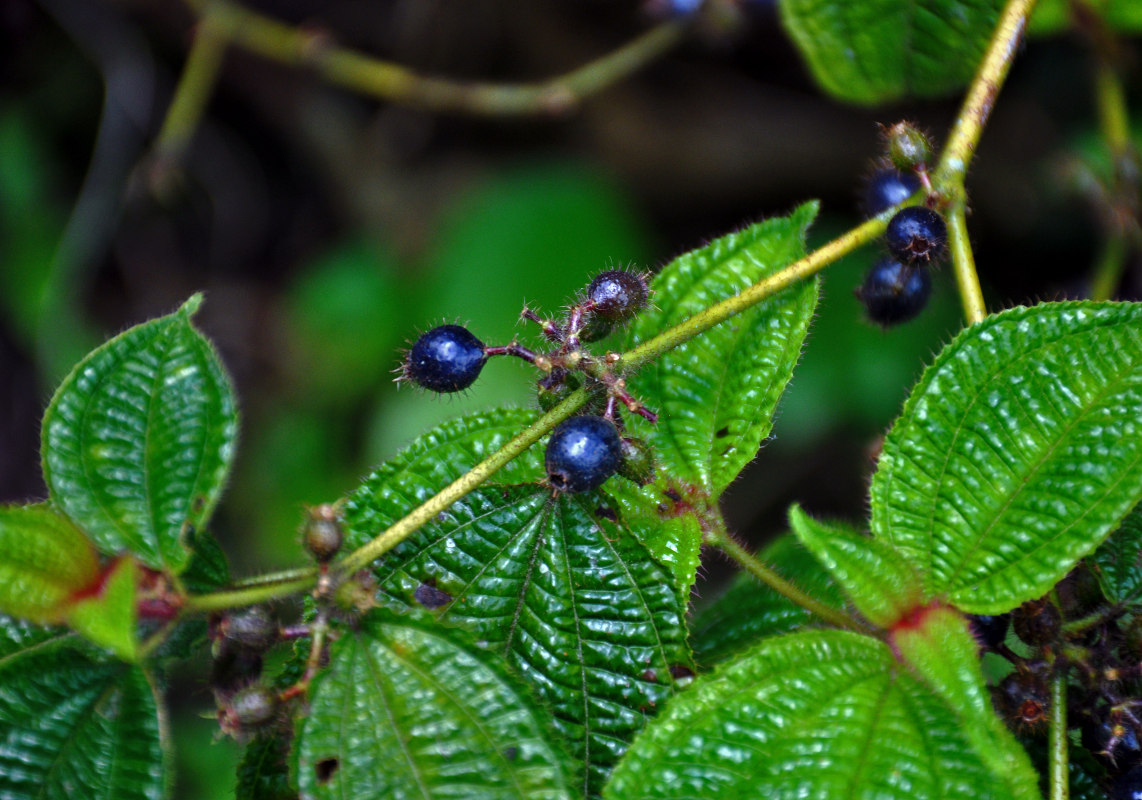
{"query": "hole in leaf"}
[(720, 432), (607, 513), (325, 768)]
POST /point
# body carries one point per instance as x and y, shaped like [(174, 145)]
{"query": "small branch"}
[(1108, 270), (963, 263), (195, 86), (1058, 778), (767, 287), (249, 595), (386, 80), (747, 561), (981, 95)]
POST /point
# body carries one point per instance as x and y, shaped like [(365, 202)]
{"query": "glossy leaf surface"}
[(1017, 453), (880, 584), (575, 602), (73, 723), (1118, 561), (138, 440), (877, 51), (812, 714), (668, 528), (716, 394), (747, 610), (44, 559), (410, 709)]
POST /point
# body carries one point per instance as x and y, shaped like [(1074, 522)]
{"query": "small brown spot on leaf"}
[(430, 597), (324, 769)]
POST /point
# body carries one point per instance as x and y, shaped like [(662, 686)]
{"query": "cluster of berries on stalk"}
[(1097, 646), (241, 638), (897, 287), (583, 451)]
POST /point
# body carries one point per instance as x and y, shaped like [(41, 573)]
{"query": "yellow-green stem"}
[(195, 86), (750, 563), (386, 80), (1058, 774), (980, 99), (1108, 270), (963, 264), (1113, 117), (248, 595)]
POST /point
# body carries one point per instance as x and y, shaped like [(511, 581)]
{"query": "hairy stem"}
[(963, 264), (1058, 776), (751, 564), (386, 80), (249, 595), (981, 95)]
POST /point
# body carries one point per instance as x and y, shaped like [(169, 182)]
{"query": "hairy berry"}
[(990, 631), (636, 462), (253, 630), (908, 148), (582, 453), (617, 294), (893, 293), (445, 359), (322, 532), (887, 188), (248, 710), (1023, 699), (1037, 622), (916, 235)]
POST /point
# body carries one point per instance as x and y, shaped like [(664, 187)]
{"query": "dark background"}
[(328, 229)]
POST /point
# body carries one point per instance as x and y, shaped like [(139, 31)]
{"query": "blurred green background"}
[(328, 230)]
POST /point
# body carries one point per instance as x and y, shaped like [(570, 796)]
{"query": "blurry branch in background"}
[(223, 24)]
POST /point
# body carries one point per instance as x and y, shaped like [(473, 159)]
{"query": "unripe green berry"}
[(908, 148), (248, 710), (253, 630), (322, 532)]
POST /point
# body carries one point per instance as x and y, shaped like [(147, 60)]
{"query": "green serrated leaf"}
[(813, 714), (138, 440), (1117, 563), (575, 602), (107, 615), (673, 537), (881, 585), (44, 560), (1017, 453), (263, 773), (716, 394), (747, 610), (409, 709), (877, 51), (74, 723)]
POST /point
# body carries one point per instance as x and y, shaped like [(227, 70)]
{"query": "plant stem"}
[(389, 81), (410, 523), (981, 95), (1108, 270), (1058, 778), (766, 287), (249, 595), (751, 564), (963, 264), (195, 86)]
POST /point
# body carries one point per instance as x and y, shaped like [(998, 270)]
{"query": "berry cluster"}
[(897, 288), (583, 451), (1098, 647)]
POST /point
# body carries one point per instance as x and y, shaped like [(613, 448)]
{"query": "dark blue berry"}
[(582, 453), (893, 293), (990, 631), (445, 359), (887, 188), (916, 235), (617, 294)]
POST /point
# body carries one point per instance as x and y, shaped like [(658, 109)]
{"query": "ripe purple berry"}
[(582, 453), (617, 295), (916, 235), (445, 359), (893, 293), (990, 631), (887, 188)]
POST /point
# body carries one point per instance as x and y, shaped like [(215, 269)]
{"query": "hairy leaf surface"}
[(877, 51), (138, 440), (812, 714), (1118, 561), (408, 709), (44, 560), (74, 723), (716, 394), (1017, 453), (572, 599)]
